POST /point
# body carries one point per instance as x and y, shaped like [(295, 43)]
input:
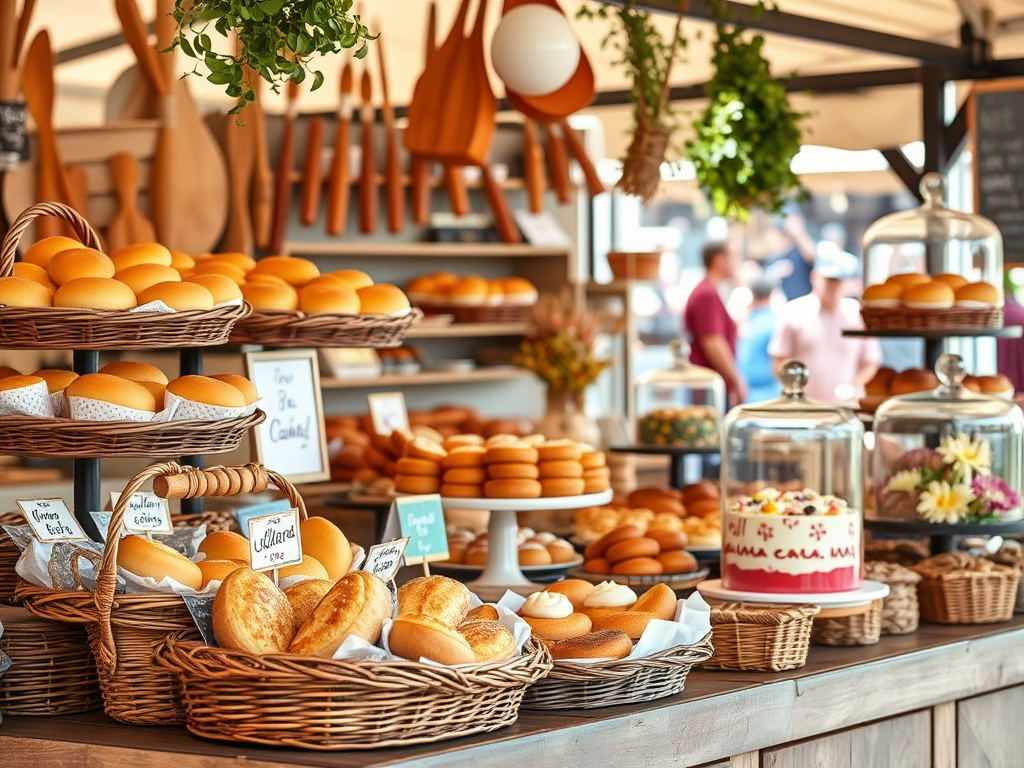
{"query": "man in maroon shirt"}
[(712, 330)]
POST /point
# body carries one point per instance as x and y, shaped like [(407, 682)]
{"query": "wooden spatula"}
[(394, 193), (8, 60), (283, 182), (419, 166), (237, 141), (312, 174), (340, 181), (368, 192), (128, 225), (261, 196)]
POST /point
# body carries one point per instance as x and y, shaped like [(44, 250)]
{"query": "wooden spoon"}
[(24, 20), (261, 195), (340, 182), (394, 194), (533, 167), (237, 141), (312, 175), (8, 59), (128, 225), (419, 166), (283, 183), (369, 195)]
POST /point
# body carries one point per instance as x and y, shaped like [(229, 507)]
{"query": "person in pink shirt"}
[(810, 329)]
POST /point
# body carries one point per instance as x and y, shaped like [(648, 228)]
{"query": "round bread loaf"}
[(6, 370), (638, 547), (41, 251), (596, 484), (296, 272), (416, 636), (574, 589), (602, 545), (203, 389), (221, 287), (253, 278), (19, 381), (357, 605), (659, 600), (251, 614), (633, 623), (243, 261), (353, 278), (76, 263), (597, 565), (310, 567), (217, 570), (242, 384), (977, 294), (95, 293), (225, 545), (562, 486), (306, 596), (19, 292), (442, 598), (328, 299), (383, 299), (270, 297), (908, 279), (424, 448), (143, 276), (179, 296), (325, 541), (489, 640), (930, 295), (112, 389), (559, 450), (151, 559), (141, 253), (56, 380), (607, 644), (34, 273), (512, 489)]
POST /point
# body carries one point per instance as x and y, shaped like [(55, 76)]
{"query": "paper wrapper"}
[(87, 409), (236, 302), (33, 400), (154, 306), (182, 409), (52, 566), (135, 584), (60, 404)]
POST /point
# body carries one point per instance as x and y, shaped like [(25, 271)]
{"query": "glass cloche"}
[(948, 455), (681, 405), (934, 240)]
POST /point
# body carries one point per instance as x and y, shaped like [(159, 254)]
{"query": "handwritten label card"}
[(146, 513), (51, 520), (421, 519), (244, 514), (384, 560), (201, 608), (388, 412), (274, 540)]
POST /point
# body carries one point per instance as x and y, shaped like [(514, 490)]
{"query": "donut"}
[(466, 476), (596, 484), (561, 551), (597, 565), (420, 467), (417, 484), (574, 589), (532, 553), (638, 566), (599, 547), (624, 550), (512, 489), (659, 600), (559, 450), (464, 456), (485, 611), (516, 453), (461, 491), (609, 644), (560, 468), (677, 561), (513, 472), (668, 540), (594, 460), (476, 555), (633, 623), (573, 625), (562, 486)]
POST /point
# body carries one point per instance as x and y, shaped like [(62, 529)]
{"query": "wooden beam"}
[(93, 47), (905, 170)]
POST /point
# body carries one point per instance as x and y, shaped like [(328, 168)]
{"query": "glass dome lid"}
[(682, 372)]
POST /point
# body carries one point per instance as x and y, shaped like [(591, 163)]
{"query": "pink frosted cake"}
[(792, 542)]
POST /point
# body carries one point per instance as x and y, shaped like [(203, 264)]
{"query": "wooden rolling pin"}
[(312, 175)]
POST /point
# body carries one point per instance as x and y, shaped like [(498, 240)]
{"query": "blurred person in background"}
[(811, 330), (1010, 352), (790, 256), (712, 331), (754, 361)]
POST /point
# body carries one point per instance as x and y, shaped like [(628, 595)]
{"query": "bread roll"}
[(56, 380), (353, 278), (469, 291), (203, 389), (417, 484), (533, 554), (559, 450), (76, 263), (659, 600), (573, 625), (143, 276), (383, 299), (908, 279), (268, 297), (221, 287), (42, 251), (518, 291), (561, 551), (243, 261), (325, 541), (602, 545), (461, 491), (466, 476), (416, 636), (880, 382), (561, 486), (151, 559), (225, 545), (638, 566), (636, 547), (251, 614), (576, 590), (326, 299), (677, 562), (464, 456), (516, 453), (953, 281), (217, 570), (560, 468), (19, 382), (513, 471), (913, 380), (423, 467), (977, 295), (633, 623), (424, 448), (442, 598), (305, 596), (883, 295), (593, 460), (357, 605), (668, 540), (19, 292), (178, 296), (489, 640), (182, 262), (6, 370), (34, 273), (607, 644), (95, 293), (485, 611), (930, 295), (222, 268), (141, 253), (242, 384), (295, 272), (112, 389)]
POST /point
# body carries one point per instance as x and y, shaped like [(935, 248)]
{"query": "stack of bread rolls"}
[(630, 551), (932, 292), (535, 549), (888, 383), (440, 290)]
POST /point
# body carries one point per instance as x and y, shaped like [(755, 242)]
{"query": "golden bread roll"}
[(225, 545), (133, 371), (217, 570), (533, 553), (702, 489), (561, 551), (357, 605), (424, 448), (464, 456), (76, 263), (251, 614), (112, 389), (639, 547), (326, 542), (908, 279), (305, 596), (151, 559), (203, 389), (221, 287), (465, 476), (398, 439), (456, 441), (56, 380), (602, 545), (383, 299), (638, 566), (182, 261), (19, 292), (485, 611), (242, 384), (668, 540), (576, 590), (512, 489), (417, 484), (562, 486), (6, 370), (252, 279), (243, 261), (559, 468), (269, 297), (913, 380), (511, 454), (442, 598), (19, 382), (596, 484), (476, 555), (296, 272), (977, 295), (328, 299), (489, 640), (559, 450), (141, 253), (953, 281), (677, 562), (415, 636), (573, 625), (607, 644), (309, 567), (659, 600), (41, 251), (513, 472), (594, 460), (518, 291), (422, 467), (930, 295), (95, 293), (143, 276), (179, 296), (353, 278), (881, 382), (461, 491), (35, 274), (222, 268), (633, 623), (883, 295)]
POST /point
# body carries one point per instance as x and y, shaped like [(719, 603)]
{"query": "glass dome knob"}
[(680, 350), (794, 377), (933, 189), (951, 370)]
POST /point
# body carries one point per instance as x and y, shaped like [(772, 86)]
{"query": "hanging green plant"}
[(277, 39), (749, 134)]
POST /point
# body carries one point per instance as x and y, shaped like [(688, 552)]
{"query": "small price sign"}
[(51, 520), (244, 514), (147, 513), (274, 540), (388, 412), (384, 560), (421, 519)]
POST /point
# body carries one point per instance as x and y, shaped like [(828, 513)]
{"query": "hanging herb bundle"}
[(278, 39), (648, 59), (749, 133)]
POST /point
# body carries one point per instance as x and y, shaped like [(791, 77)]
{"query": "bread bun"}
[(268, 297), (327, 543), (203, 389), (513, 471), (41, 251), (518, 291), (222, 268), (353, 278), (439, 597), (995, 385), (461, 491), (34, 273), (309, 567), (608, 644), (517, 453), (883, 295), (593, 460), (638, 566), (702, 489), (602, 545), (357, 605), (251, 614), (143, 276), (243, 261), (153, 560), (306, 595), (977, 295), (133, 371), (422, 467), (476, 555), (95, 293), (217, 570), (178, 296), (668, 540), (533, 553), (560, 468), (56, 380), (881, 382), (19, 381), (930, 295), (913, 380), (415, 636), (704, 507), (182, 262), (512, 489), (242, 384), (677, 561), (383, 299), (225, 545), (79, 262), (465, 476), (638, 547), (908, 279), (223, 289), (489, 640), (112, 389), (659, 600), (633, 623), (573, 625), (972, 383), (325, 299), (485, 611), (141, 253), (19, 292), (464, 456), (417, 485), (295, 272), (253, 278), (597, 565), (953, 281), (576, 590), (559, 450)]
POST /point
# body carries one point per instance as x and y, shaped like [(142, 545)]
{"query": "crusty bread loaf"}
[(151, 559), (323, 540), (251, 614), (607, 644), (306, 596), (489, 640), (357, 605), (442, 598), (415, 636)]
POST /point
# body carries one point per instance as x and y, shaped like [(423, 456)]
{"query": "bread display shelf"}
[(294, 329), (87, 329), (908, 319), (74, 438)]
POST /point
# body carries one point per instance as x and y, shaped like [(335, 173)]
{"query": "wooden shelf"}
[(420, 249), (464, 330), (428, 377), (618, 286)]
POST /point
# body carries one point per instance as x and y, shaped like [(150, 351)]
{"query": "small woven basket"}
[(9, 554), (52, 670), (957, 588), (76, 438), (859, 629), (905, 552), (59, 328), (1014, 558), (506, 313), (288, 700), (622, 681), (901, 611), (907, 319), (760, 637), (294, 329)]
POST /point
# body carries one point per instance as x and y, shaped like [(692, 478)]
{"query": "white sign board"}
[(388, 412), (291, 440), (274, 540), (51, 520), (384, 560), (146, 513)]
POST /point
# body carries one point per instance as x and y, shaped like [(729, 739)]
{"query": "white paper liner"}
[(60, 404), (34, 567), (182, 409), (135, 584), (154, 306), (88, 409), (235, 302), (33, 400)]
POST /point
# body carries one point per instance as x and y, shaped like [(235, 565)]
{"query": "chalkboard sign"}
[(995, 120), (291, 440)]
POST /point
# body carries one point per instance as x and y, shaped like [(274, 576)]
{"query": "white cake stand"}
[(502, 571), (869, 592)]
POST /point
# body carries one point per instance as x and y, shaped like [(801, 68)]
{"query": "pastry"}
[(659, 600), (607, 644), (551, 617), (512, 489), (415, 636), (458, 491), (561, 551), (477, 554), (597, 565), (560, 468), (513, 472), (357, 605), (489, 640), (465, 476), (633, 623), (251, 614), (424, 448), (574, 589), (515, 453), (417, 484), (599, 547), (677, 561), (533, 553), (441, 598), (607, 598), (418, 467), (668, 540), (593, 460)]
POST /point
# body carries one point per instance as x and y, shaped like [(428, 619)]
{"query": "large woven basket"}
[(9, 554), (125, 629), (956, 588), (294, 329), (907, 319), (760, 637), (901, 611), (52, 670), (58, 328), (622, 681), (858, 629), (314, 703)]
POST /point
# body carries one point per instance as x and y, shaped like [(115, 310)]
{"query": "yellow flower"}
[(905, 481), (966, 455), (944, 503)]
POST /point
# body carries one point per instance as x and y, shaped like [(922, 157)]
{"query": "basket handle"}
[(171, 480), (9, 249)]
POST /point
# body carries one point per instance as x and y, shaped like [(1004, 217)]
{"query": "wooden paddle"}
[(27, 9), (558, 164), (283, 182), (394, 194), (237, 141), (78, 188), (478, 104), (419, 166), (312, 174), (128, 225), (8, 59), (533, 167), (261, 194), (340, 181), (368, 193)]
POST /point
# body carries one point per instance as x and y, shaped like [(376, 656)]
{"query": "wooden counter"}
[(942, 697)]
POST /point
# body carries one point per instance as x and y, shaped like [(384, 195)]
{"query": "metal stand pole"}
[(87, 471), (191, 364)]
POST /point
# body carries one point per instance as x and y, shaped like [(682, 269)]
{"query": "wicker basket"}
[(294, 329), (213, 520), (635, 266), (858, 629), (53, 672), (901, 611), (58, 328), (907, 319), (956, 588), (125, 629), (76, 438), (761, 637), (905, 552), (505, 313), (622, 681), (1014, 558), (325, 704), (9, 554)]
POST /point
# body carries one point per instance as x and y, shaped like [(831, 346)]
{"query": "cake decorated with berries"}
[(793, 542)]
